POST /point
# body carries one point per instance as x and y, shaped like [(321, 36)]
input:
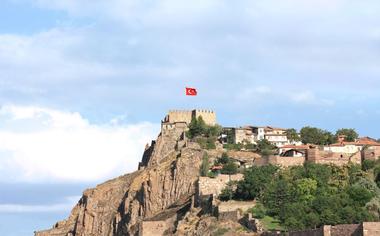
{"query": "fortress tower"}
[(185, 116)]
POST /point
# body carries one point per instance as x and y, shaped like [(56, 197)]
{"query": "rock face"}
[(166, 179)]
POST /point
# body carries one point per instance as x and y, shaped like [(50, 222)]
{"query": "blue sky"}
[(89, 81)]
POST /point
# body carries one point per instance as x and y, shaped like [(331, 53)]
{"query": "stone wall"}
[(371, 228), (311, 232), (372, 153), (286, 161), (243, 155), (233, 210), (253, 224), (364, 229), (214, 186), (178, 116), (157, 228), (229, 215), (344, 230), (317, 156), (175, 116), (208, 116)]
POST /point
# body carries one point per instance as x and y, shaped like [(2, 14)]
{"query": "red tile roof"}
[(360, 142), (216, 167), (295, 147)]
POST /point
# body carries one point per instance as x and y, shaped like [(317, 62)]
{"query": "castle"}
[(180, 119), (179, 116)]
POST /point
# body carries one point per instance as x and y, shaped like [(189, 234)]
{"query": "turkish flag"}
[(191, 92)]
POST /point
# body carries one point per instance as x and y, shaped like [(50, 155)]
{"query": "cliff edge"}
[(162, 189)]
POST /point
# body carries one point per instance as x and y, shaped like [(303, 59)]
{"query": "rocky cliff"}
[(165, 182)]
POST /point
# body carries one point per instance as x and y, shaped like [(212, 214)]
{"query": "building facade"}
[(252, 134)]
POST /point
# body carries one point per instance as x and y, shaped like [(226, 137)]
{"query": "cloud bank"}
[(42, 144)]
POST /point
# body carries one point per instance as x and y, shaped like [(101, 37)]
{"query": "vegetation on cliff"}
[(205, 135), (312, 195)]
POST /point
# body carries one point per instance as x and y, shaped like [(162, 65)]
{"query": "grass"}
[(220, 232), (271, 224)]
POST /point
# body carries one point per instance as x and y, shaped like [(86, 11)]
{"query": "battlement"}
[(177, 116)]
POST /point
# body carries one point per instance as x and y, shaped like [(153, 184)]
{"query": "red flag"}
[(191, 92)]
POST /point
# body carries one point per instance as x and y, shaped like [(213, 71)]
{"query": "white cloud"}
[(308, 97), (303, 97), (59, 207), (41, 144)]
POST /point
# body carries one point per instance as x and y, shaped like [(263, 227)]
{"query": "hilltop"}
[(198, 178)]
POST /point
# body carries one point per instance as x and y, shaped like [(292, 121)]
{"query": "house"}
[(294, 150), (351, 147), (252, 134), (244, 135)]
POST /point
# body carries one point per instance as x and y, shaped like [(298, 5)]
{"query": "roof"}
[(275, 134), (297, 147), (273, 128), (216, 167), (359, 142)]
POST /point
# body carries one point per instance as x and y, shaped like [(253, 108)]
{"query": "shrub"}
[(205, 166), (258, 211), (206, 143), (212, 174), (227, 193), (368, 164), (230, 168), (224, 159)]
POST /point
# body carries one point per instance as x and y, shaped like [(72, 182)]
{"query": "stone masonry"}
[(363, 229), (175, 116), (214, 186)]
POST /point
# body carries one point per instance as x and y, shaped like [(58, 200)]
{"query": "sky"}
[(84, 84)]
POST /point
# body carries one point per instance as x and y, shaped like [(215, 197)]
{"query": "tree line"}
[(313, 135), (312, 195)]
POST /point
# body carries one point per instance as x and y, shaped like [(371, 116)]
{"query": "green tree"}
[(312, 135), (265, 144), (359, 195), (213, 131), (276, 195), (312, 220), (256, 179), (227, 193), (230, 168), (224, 159), (368, 164), (265, 148), (197, 127), (292, 135), (205, 166), (305, 189), (350, 134), (292, 223), (258, 211)]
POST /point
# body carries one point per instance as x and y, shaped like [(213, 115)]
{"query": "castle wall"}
[(328, 230), (371, 228), (311, 232), (317, 156), (208, 116), (179, 116), (286, 161), (372, 153), (214, 186), (185, 116), (157, 228), (363, 229), (346, 229)]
